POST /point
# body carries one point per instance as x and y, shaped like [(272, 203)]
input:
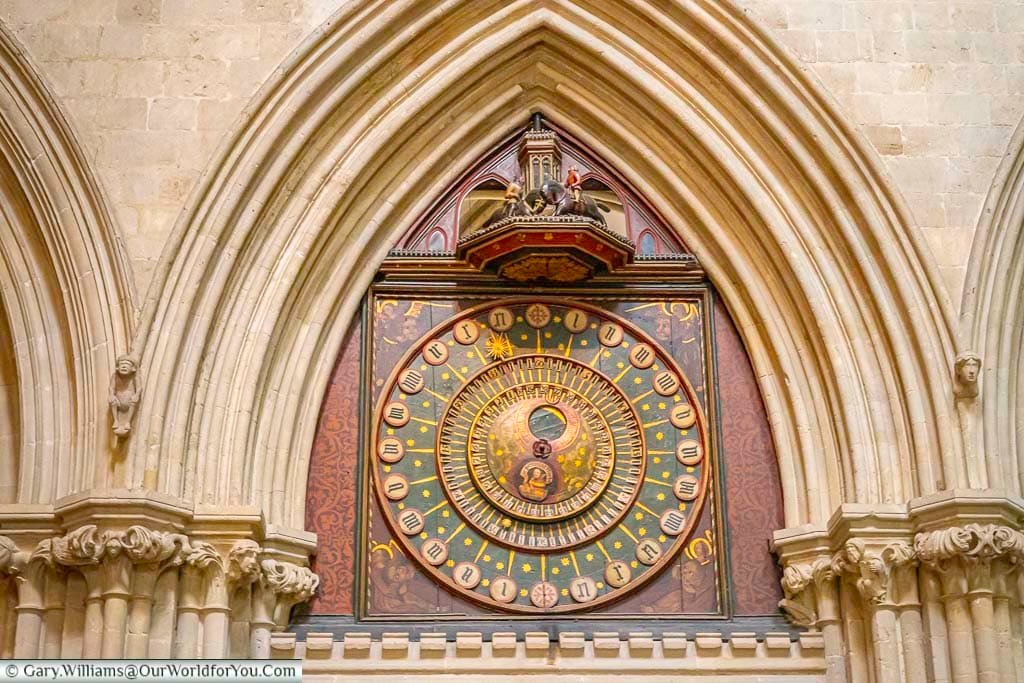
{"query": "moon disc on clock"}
[(396, 487), (648, 551), (642, 356), (435, 551), (617, 573), (538, 315), (610, 334), (411, 381), (411, 522), (686, 487), (501, 319), (672, 522), (436, 352), (396, 414)]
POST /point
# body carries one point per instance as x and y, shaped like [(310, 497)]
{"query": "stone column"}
[(291, 583), (115, 580), (243, 569), (812, 601), (133, 581), (904, 593), (160, 642), (855, 631), (140, 611), (53, 612), (830, 623), (1003, 580), (281, 586), (215, 615), (935, 625), (10, 559), (28, 635), (979, 598), (263, 601), (92, 639), (963, 558), (896, 637)]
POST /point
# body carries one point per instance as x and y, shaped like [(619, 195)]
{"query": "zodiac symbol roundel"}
[(540, 456)]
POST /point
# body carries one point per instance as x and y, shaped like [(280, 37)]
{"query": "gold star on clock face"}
[(554, 461)]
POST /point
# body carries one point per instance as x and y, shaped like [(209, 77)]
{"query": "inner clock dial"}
[(541, 438)]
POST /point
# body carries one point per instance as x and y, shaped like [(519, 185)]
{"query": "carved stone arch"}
[(799, 229), (66, 292), (992, 321)]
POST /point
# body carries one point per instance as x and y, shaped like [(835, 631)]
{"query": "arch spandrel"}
[(820, 266)]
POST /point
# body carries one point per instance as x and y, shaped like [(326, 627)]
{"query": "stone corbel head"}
[(966, 371), (244, 563)]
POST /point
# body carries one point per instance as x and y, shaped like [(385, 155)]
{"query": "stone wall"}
[(153, 87)]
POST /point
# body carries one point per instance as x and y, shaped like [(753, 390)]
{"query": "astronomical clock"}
[(531, 425), (543, 426)]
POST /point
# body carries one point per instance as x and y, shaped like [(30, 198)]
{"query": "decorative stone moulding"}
[(552, 248), (766, 655)]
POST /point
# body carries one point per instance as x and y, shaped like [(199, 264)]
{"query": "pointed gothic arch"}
[(67, 296), (992, 321), (819, 262)]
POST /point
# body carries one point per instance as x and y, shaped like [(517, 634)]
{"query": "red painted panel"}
[(331, 490), (753, 490)]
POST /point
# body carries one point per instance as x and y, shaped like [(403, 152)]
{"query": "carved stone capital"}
[(871, 570), (243, 564), (291, 584), (290, 580), (9, 557), (966, 557), (806, 586)]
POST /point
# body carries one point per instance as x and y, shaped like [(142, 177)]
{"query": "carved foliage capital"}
[(289, 580), (973, 550)]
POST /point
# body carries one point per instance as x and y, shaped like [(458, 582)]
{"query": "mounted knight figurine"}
[(555, 194)]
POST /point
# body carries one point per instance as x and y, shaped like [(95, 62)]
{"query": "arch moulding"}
[(67, 296), (992, 323), (821, 267)]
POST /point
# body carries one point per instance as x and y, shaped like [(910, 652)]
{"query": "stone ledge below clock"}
[(395, 654)]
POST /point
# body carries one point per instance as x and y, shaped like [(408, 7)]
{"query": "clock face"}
[(519, 422)]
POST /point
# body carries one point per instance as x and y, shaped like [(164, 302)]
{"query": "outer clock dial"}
[(512, 461)]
